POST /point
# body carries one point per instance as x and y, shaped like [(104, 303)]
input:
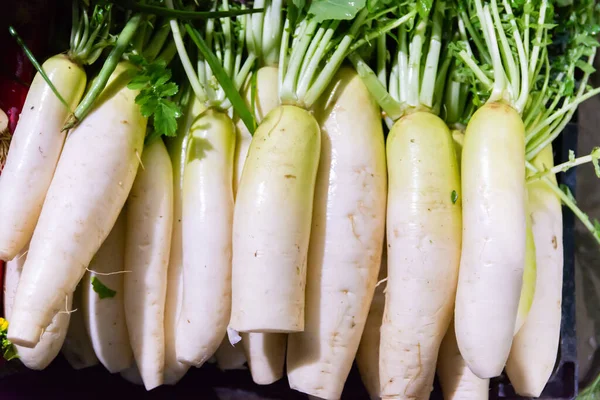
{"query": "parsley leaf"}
[(102, 290), (153, 82), (335, 9)]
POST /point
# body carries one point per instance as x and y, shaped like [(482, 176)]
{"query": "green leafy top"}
[(89, 35), (317, 37), (419, 63), (9, 352)]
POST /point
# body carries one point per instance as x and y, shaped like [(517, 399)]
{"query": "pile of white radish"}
[(337, 183)]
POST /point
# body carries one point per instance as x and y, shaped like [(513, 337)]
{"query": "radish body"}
[(105, 317), (175, 370), (423, 238), (90, 186), (528, 287), (367, 357), (535, 347), (132, 375), (53, 337), (207, 205), (34, 152), (493, 245), (77, 348), (265, 353), (346, 239), (456, 379), (271, 227), (149, 228)]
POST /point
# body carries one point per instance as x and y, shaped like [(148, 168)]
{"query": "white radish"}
[(265, 351), (348, 227), (535, 347), (77, 347), (528, 287), (90, 186), (175, 370), (103, 297), (456, 379), (132, 375), (493, 245), (230, 357), (423, 239), (34, 151), (52, 339), (207, 215), (272, 219), (148, 243), (367, 357)]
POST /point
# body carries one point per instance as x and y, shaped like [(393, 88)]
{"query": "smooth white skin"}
[(271, 226), (105, 318), (53, 337), (348, 228), (174, 370), (77, 348), (367, 356), (207, 204), (34, 152), (265, 353), (266, 350), (456, 379), (90, 186), (148, 243), (535, 347), (493, 245), (423, 249), (230, 357)]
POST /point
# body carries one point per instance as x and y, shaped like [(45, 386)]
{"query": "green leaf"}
[(322, 10), (102, 290), (169, 89), (165, 117), (454, 197), (595, 157), (568, 192), (585, 67)]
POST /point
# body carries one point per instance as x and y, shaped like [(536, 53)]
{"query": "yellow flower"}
[(3, 325)]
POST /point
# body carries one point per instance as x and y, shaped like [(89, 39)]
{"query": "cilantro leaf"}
[(424, 7), (102, 290), (153, 82), (322, 10)]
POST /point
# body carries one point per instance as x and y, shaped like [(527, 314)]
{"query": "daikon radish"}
[(77, 347), (132, 375), (456, 379), (207, 212), (529, 285), (103, 297), (148, 243), (90, 186), (52, 339), (266, 356), (535, 347), (367, 357), (346, 239)]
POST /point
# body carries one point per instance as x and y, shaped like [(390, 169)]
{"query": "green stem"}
[(402, 83), (37, 66), (271, 35), (481, 76), (314, 44), (414, 64), (499, 73), (563, 167), (506, 54), (288, 90), (74, 24), (430, 75), (383, 30), (283, 56), (388, 104), (182, 14), (473, 34), (533, 61), (524, 90), (381, 56), (157, 42)]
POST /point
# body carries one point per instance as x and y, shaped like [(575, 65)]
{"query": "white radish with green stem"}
[(148, 243), (493, 179), (207, 193), (103, 301), (77, 347), (53, 337), (535, 347), (347, 233), (91, 183), (273, 211), (265, 352), (38, 139), (423, 208)]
